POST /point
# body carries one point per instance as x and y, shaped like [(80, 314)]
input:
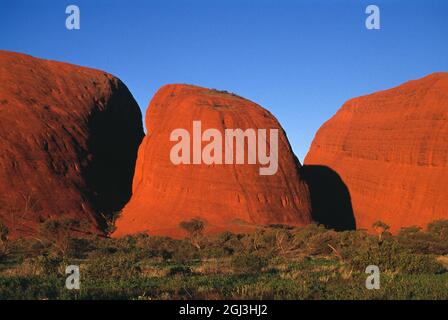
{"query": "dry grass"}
[(443, 260)]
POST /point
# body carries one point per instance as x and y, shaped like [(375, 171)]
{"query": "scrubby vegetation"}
[(276, 262)]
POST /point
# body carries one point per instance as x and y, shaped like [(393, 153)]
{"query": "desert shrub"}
[(180, 270), (132, 243), (214, 245), (116, 266), (281, 226), (225, 236), (101, 251), (58, 233), (248, 263), (78, 248), (24, 248), (235, 244), (194, 228), (108, 222), (349, 243), (322, 243), (214, 250), (273, 263), (167, 249), (302, 235), (223, 245), (314, 240), (439, 228), (147, 246), (421, 264), (382, 230), (380, 226), (213, 266), (271, 241), (384, 254), (419, 242), (104, 251), (31, 287), (43, 265), (184, 251), (391, 257), (265, 240)]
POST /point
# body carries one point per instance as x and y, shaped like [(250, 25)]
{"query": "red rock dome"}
[(224, 196), (68, 139), (391, 150)]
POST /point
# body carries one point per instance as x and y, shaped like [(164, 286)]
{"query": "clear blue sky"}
[(299, 59)]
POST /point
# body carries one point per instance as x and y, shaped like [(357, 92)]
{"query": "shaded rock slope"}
[(68, 139)]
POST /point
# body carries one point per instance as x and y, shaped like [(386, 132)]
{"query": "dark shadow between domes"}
[(330, 198), (116, 132)]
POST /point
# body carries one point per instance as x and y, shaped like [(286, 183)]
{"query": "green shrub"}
[(58, 232), (421, 264), (272, 263), (180, 270), (78, 248), (439, 228), (322, 244), (115, 266), (350, 243), (391, 257), (194, 229), (419, 242), (184, 251), (43, 265), (301, 236), (248, 263)]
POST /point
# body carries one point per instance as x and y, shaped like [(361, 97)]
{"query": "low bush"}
[(248, 263), (391, 257), (274, 262)]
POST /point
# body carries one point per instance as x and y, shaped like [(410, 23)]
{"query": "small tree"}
[(381, 228), (109, 221), (18, 211), (58, 233), (194, 228)]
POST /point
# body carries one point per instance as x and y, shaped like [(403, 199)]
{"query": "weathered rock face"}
[(391, 149), (224, 196), (68, 138)]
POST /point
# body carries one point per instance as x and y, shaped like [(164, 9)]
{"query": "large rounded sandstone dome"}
[(68, 143), (224, 196), (391, 150)]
